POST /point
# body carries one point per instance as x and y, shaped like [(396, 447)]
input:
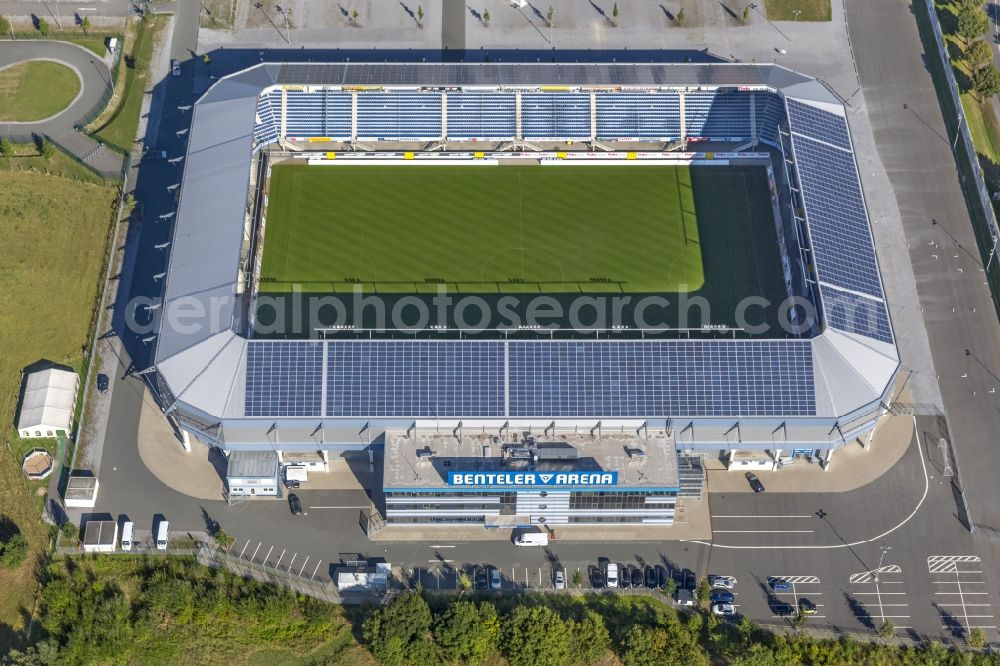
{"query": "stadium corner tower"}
[(525, 427)]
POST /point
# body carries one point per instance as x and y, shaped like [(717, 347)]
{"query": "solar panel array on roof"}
[(818, 124), (284, 378), (838, 223), (415, 378), (676, 378), (856, 314)]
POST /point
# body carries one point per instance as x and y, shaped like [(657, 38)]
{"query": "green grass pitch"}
[(516, 229)]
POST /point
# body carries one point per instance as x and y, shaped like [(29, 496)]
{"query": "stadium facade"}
[(496, 428)]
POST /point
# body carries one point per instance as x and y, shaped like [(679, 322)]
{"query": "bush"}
[(972, 23), (6, 148), (13, 552), (43, 27), (70, 531)]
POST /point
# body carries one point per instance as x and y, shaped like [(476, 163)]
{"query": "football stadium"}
[(536, 294)]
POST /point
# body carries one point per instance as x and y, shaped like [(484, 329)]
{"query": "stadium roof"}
[(249, 386)]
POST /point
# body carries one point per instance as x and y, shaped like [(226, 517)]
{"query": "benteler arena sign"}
[(531, 479)]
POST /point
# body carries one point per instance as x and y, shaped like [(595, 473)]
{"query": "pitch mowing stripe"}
[(633, 227)]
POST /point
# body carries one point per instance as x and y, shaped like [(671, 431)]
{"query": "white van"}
[(611, 576), (127, 535), (532, 539), (162, 532)]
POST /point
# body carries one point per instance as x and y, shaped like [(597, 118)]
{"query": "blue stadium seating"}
[(717, 115), (638, 116), (403, 115), (326, 113), (482, 115), (555, 116), (267, 127)]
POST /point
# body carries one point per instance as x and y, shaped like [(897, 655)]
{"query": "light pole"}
[(885, 549), (796, 12), (993, 252)]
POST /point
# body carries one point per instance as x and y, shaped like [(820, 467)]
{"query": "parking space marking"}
[(763, 531), (890, 606), (959, 613), (795, 581)]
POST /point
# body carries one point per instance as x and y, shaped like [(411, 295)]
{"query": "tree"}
[(799, 619), (746, 13), (549, 16), (5, 26), (486, 17), (680, 16), (70, 531), (221, 538), (986, 82), (354, 16), (978, 54), (13, 552), (704, 591), (47, 150), (43, 27), (614, 14), (645, 646), (536, 636), (6, 148), (886, 630), (590, 639), (977, 638), (85, 24), (420, 15), (464, 582), (466, 632), (670, 589), (972, 23), (578, 578), (393, 632)]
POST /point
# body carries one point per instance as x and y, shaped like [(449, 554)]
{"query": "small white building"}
[(100, 536), (364, 578), (48, 404), (252, 473), (81, 491)]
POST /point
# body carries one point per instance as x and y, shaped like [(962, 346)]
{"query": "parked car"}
[(175, 67), (724, 610), (611, 575), (781, 608), (560, 579), (754, 482), (722, 597), (626, 576), (102, 382), (722, 582), (481, 581), (636, 577), (678, 576), (662, 576), (690, 581), (495, 578), (807, 607), (650, 578), (779, 585), (597, 578), (294, 504)]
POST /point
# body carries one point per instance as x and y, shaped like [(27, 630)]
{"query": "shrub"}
[(13, 552)]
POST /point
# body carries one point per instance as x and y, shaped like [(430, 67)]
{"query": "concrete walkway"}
[(95, 80), (851, 468)]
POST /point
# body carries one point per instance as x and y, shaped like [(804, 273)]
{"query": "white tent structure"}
[(49, 401)]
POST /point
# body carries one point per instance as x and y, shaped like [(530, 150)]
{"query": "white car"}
[(611, 575), (722, 582), (723, 609), (560, 579), (495, 579)]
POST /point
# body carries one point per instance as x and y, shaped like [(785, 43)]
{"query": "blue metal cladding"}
[(675, 378), (638, 116), (856, 314), (555, 115), (842, 244), (770, 112), (284, 378), (482, 115), (818, 124), (415, 379), (717, 115), (404, 115)]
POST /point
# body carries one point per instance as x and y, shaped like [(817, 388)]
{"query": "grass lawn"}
[(119, 129), (810, 10), (46, 304), (95, 42), (27, 158), (36, 90), (523, 227)]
